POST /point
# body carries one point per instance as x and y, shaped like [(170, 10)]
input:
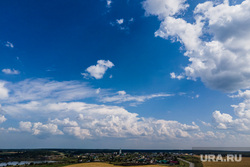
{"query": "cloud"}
[(84, 120), (216, 42), (39, 128), (40, 89), (10, 71), (122, 24), (206, 124), (77, 132), (241, 122), (2, 119), (64, 122), (174, 76), (25, 126), (163, 8), (4, 92), (109, 2), (120, 21), (97, 71), (9, 44), (122, 96), (44, 108)]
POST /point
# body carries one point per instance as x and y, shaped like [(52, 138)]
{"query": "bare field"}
[(244, 163), (98, 164)]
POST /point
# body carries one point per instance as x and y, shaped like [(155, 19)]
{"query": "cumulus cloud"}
[(2, 119), (241, 122), (163, 8), (216, 42), (174, 76), (122, 96), (77, 132), (64, 122), (97, 71), (43, 108), (10, 71), (25, 126), (39, 128), (206, 124), (84, 120)]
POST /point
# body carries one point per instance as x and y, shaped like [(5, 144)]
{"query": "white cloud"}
[(121, 96), (97, 71), (206, 124), (163, 8), (10, 71), (25, 126), (12, 129), (84, 120), (39, 128), (43, 108), (123, 24), (2, 119), (77, 132), (9, 44), (174, 76), (98, 91), (216, 43), (40, 89), (4, 92), (120, 21), (64, 122), (240, 124), (109, 3)]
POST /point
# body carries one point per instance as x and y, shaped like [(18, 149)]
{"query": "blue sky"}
[(151, 74)]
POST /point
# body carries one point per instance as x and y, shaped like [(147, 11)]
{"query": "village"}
[(115, 157), (130, 158)]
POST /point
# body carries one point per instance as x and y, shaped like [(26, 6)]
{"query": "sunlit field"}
[(244, 163), (97, 164)]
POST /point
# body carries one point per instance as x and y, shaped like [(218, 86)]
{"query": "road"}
[(190, 163)]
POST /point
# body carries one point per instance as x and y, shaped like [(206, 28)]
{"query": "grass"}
[(99, 164), (183, 164), (244, 163), (46, 165)]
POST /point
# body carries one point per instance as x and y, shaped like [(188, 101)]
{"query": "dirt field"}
[(244, 163), (97, 164)]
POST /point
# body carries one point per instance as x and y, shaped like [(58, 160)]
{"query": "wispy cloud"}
[(32, 102), (122, 96), (9, 44), (122, 24)]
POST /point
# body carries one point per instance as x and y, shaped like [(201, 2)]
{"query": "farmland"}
[(244, 163), (98, 164)]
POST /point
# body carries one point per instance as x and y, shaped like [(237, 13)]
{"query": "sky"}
[(146, 74)]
